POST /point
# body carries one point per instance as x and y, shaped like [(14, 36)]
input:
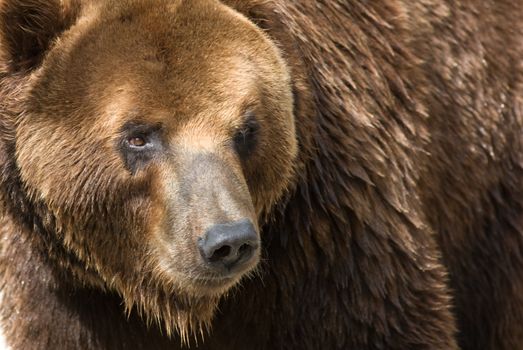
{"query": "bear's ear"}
[(257, 11), (28, 28)]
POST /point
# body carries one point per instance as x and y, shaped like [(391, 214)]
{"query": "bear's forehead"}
[(157, 53), (169, 30)]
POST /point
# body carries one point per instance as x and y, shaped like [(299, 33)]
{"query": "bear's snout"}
[(230, 247)]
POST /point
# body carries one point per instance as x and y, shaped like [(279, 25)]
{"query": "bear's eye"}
[(137, 141), (140, 144), (245, 138)]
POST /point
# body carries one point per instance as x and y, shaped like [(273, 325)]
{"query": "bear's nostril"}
[(243, 249), (229, 245), (220, 253)]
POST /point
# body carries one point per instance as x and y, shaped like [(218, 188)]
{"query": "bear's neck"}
[(43, 309)]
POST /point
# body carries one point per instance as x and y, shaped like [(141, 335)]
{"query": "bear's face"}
[(155, 134)]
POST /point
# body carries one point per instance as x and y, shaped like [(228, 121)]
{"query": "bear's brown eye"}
[(137, 141), (140, 144), (245, 139)]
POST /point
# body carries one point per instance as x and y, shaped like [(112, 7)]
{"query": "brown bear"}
[(261, 174)]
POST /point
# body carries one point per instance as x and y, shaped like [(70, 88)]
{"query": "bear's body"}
[(399, 226)]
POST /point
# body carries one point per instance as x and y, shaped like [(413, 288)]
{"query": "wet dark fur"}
[(404, 228)]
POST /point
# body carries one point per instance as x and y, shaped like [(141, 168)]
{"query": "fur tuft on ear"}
[(28, 28)]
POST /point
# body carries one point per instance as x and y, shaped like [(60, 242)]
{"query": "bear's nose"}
[(229, 245)]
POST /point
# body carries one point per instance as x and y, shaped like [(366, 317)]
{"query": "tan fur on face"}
[(195, 68)]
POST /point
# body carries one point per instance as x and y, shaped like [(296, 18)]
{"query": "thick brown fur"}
[(390, 201)]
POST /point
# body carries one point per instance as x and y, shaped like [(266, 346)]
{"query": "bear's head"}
[(145, 139)]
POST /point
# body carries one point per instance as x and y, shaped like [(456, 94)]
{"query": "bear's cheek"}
[(270, 171), (82, 161), (99, 211)]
